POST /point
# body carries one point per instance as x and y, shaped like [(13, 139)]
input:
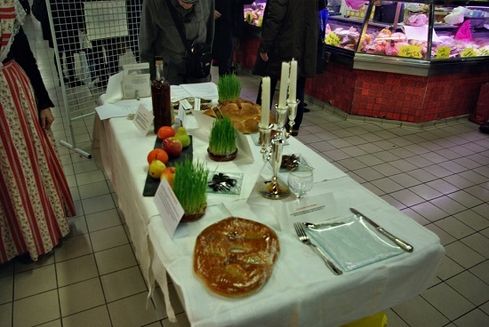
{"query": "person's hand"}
[(46, 117), (264, 56), (217, 14)]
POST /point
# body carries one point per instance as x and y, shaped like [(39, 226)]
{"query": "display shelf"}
[(411, 33)]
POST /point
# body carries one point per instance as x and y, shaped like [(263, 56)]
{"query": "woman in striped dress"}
[(34, 195)]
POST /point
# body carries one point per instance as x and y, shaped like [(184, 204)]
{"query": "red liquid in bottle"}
[(161, 100)]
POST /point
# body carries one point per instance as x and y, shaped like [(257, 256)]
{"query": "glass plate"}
[(352, 243), (300, 161), (224, 183)]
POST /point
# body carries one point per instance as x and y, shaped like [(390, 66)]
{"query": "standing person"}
[(289, 30), (222, 49), (229, 24), (238, 27), (34, 197), (40, 11), (160, 37)]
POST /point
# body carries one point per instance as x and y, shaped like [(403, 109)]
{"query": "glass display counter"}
[(412, 61), (419, 38)]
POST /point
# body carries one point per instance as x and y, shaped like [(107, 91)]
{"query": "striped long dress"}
[(34, 195)]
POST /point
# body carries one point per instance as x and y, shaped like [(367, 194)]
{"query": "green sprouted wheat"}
[(190, 185), (222, 140), (229, 87)]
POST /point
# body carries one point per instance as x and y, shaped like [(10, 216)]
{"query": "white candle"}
[(293, 81), (284, 83), (265, 102)]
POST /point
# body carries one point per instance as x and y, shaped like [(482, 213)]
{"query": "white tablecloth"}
[(301, 290)]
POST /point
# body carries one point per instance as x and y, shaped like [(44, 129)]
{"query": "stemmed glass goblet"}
[(301, 181)]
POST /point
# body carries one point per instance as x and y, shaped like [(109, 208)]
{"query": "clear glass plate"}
[(352, 243), (300, 161), (224, 183)]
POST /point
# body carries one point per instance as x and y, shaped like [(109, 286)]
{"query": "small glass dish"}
[(290, 162), (224, 183)]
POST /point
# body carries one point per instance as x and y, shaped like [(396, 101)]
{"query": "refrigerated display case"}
[(412, 61), (410, 37)]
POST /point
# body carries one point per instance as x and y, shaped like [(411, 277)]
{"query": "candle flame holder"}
[(264, 138), (293, 105), (276, 189)]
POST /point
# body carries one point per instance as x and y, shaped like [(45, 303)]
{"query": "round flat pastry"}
[(235, 256), (244, 114)]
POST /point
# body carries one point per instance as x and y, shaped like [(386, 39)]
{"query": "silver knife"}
[(402, 244)]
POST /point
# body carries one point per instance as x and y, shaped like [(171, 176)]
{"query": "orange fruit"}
[(157, 154), (165, 131), (169, 175)]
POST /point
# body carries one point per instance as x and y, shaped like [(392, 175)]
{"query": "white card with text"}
[(312, 209), (144, 119), (170, 209), (181, 113), (196, 104)]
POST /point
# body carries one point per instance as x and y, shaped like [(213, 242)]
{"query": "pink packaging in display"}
[(418, 20), (355, 4), (463, 32)]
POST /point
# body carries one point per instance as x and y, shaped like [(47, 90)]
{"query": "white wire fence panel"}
[(93, 40)]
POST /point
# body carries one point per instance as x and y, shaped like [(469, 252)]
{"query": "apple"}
[(184, 138), (157, 154), (156, 168), (165, 131), (169, 175), (172, 146)]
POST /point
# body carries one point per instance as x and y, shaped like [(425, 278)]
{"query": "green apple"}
[(184, 138), (181, 131)]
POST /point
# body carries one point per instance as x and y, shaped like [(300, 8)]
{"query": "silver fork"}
[(304, 238)]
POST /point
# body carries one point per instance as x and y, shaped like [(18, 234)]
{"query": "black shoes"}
[(484, 128)]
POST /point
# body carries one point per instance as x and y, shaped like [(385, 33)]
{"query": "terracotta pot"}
[(226, 157)]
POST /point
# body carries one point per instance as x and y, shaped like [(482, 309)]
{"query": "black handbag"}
[(198, 56)]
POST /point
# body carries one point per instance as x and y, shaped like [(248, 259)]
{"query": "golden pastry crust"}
[(242, 113), (235, 256)]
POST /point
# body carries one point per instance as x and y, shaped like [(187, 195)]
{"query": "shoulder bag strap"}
[(179, 24)]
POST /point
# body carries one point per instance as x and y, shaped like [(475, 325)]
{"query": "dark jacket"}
[(223, 43), (238, 17), (22, 54), (159, 36), (290, 30), (40, 11)]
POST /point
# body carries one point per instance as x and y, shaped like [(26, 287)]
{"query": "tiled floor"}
[(439, 176)]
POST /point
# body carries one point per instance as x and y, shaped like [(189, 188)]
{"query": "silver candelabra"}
[(272, 140)]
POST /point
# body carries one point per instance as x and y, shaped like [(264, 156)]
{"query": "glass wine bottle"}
[(160, 97)]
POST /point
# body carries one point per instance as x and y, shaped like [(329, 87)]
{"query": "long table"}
[(301, 290)]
